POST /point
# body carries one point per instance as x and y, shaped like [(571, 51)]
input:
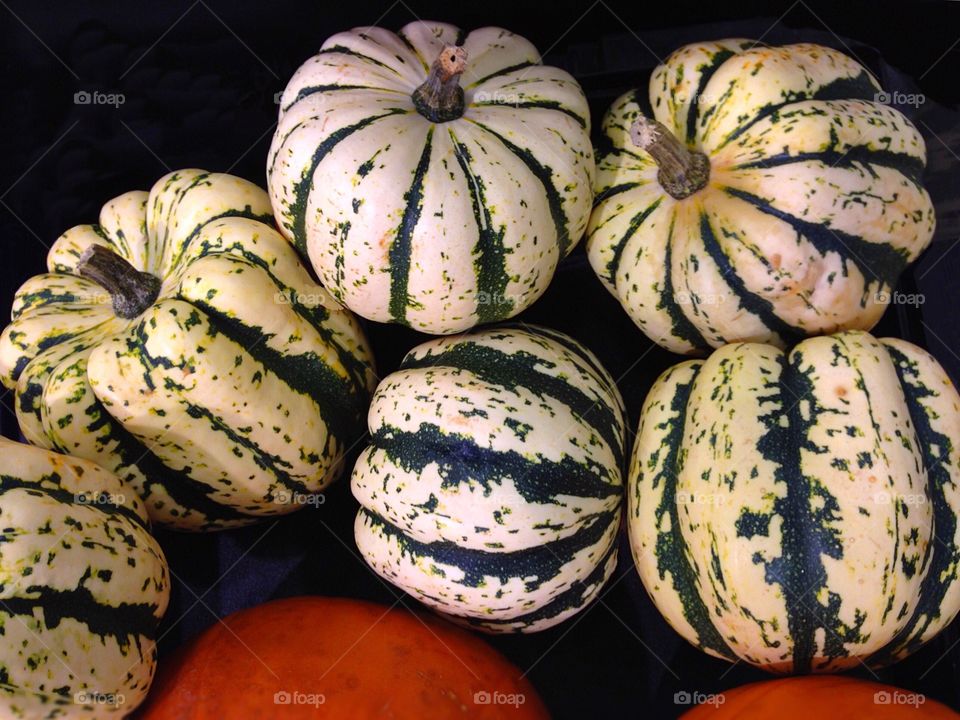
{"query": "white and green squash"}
[(434, 178), (181, 344), (770, 196), (84, 586), (799, 511), (492, 487)]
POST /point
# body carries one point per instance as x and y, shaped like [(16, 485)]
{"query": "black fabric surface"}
[(199, 82)]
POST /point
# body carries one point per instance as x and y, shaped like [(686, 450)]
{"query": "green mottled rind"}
[(936, 605), (435, 223), (814, 205), (237, 390), (84, 588), (505, 581), (783, 506), (491, 488)]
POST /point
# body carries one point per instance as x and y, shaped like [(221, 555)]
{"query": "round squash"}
[(491, 489), (434, 178), (84, 587), (770, 197), (335, 657), (799, 511), (181, 344), (823, 696)]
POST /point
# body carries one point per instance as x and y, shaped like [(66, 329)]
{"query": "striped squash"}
[(181, 344), (434, 178), (492, 486), (84, 587), (770, 197), (799, 511)]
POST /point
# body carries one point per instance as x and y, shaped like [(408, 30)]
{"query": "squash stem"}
[(132, 291), (682, 171), (440, 97)]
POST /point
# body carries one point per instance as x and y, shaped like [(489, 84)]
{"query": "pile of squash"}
[(791, 496)]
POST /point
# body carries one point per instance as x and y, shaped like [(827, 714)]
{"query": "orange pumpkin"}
[(333, 657), (819, 697)]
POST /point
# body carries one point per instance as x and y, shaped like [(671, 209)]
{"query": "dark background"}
[(199, 81)]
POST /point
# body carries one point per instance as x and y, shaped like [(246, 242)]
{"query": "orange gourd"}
[(820, 697), (313, 657)]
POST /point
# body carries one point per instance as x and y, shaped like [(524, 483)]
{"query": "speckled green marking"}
[(681, 325), (535, 566), (301, 192), (875, 260), (316, 315), (542, 104), (401, 247), (862, 157), (183, 490), (49, 487), (544, 174), (61, 332), (509, 70), (486, 517), (577, 596), (944, 554), (84, 588), (462, 461), (835, 431), (122, 623), (635, 224), (341, 403), (341, 50), (809, 514), (752, 302), (614, 190), (671, 552), (794, 134), (244, 213), (706, 72), (520, 370), (491, 254), (330, 87), (861, 87)]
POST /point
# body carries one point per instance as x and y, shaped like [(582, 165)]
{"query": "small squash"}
[(434, 177), (492, 486), (770, 197), (306, 657), (799, 511), (181, 344), (84, 587)]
